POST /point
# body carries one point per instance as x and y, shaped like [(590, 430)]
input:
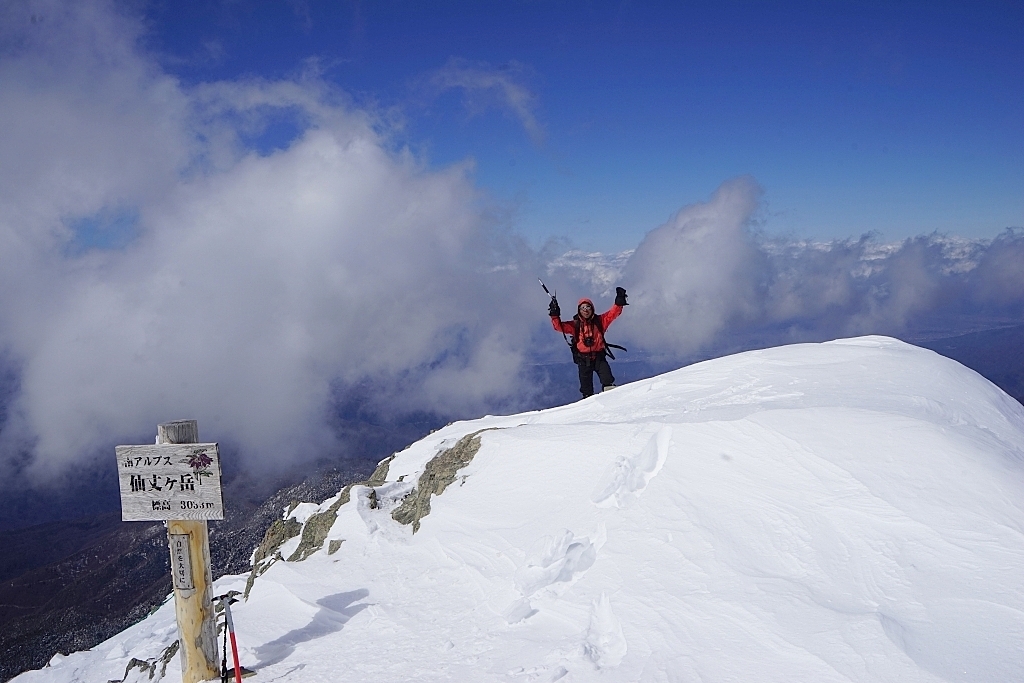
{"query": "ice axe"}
[(553, 298), (229, 630)]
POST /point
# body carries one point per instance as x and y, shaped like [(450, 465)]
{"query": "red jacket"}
[(588, 328)]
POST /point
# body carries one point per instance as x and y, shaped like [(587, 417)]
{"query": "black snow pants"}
[(588, 366)]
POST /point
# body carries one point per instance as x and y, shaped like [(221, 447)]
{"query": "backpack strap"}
[(600, 326)]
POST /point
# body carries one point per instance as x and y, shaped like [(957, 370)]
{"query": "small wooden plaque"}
[(181, 562)]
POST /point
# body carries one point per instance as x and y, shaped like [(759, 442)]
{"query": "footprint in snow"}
[(554, 560), (604, 644), (627, 478)]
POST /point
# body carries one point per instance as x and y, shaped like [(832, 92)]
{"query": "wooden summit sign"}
[(177, 480), (169, 481)]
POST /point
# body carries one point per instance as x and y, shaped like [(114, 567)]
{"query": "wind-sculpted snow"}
[(555, 559), (630, 476), (848, 511), (605, 645)]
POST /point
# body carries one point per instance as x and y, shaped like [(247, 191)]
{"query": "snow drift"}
[(848, 511)]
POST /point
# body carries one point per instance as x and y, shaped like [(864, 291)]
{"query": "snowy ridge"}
[(848, 511)]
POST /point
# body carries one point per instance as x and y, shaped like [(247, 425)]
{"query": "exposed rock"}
[(316, 528), (280, 531), (314, 531), (267, 553), (151, 666), (319, 524), (437, 475)]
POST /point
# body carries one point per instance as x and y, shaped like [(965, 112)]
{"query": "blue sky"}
[(899, 118), (393, 141)]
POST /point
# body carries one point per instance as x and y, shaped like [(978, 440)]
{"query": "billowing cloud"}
[(699, 272), (158, 261), (252, 288), (709, 279)]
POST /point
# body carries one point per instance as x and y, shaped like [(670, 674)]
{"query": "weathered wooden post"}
[(178, 481)]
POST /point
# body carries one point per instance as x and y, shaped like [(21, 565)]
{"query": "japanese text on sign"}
[(181, 562), (170, 481)]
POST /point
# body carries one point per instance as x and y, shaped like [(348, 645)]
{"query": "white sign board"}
[(169, 481)]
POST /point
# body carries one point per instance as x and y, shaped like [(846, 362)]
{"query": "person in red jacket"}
[(589, 350)]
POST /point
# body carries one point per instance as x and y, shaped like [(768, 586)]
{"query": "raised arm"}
[(616, 310), (556, 318)]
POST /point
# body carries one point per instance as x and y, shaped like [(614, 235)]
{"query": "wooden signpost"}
[(177, 481)]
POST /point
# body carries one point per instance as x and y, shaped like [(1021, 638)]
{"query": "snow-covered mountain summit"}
[(848, 511)]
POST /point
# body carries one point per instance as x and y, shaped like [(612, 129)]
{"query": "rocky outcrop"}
[(437, 475), (314, 530)]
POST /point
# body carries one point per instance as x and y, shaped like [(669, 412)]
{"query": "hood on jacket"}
[(585, 300)]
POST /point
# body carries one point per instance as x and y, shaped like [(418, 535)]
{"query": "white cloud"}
[(485, 87), (707, 278), (261, 289), (697, 273), (257, 286)]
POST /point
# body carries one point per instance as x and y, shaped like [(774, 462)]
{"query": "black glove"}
[(553, 310), (620, 297)]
